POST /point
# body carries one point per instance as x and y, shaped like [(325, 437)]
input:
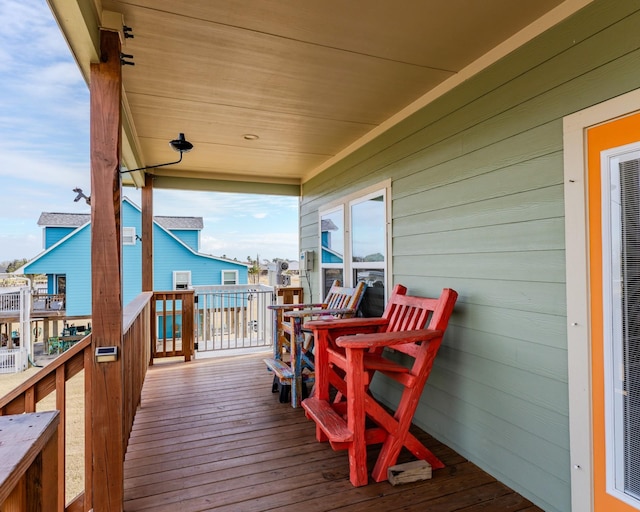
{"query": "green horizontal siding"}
[(477, 205)]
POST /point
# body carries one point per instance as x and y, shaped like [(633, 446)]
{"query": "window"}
[(61, 283), (621, 290), (332, 247), (229, 277), (181, 279), (128, 236), (354, 245)]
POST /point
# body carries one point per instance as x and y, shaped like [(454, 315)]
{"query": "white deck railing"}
[(10, 302), (233, 317), (13, 360)]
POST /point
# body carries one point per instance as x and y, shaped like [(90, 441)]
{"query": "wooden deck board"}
[(210, 435)]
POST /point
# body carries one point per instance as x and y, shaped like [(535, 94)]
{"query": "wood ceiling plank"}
[(431, 33), (253, 70), (228, 159), (162, 119)]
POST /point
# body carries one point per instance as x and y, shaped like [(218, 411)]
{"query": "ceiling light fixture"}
[(181, 145)]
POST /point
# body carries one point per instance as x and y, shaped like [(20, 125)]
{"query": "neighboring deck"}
[(210, 435)]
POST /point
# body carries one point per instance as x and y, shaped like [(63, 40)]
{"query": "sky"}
[(44, 134)]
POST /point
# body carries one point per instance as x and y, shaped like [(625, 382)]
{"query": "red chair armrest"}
[(387, 339)]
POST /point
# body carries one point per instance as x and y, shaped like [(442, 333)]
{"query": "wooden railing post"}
[(187, 324), (106, 277)]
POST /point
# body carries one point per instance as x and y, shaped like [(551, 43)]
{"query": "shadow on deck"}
[(210, 435)]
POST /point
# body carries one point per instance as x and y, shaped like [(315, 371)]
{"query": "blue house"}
[(178, 264)]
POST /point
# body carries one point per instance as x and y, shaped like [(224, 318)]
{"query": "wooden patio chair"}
[(349, 352), (292, 377)]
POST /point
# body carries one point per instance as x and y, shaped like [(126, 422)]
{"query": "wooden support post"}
[(187, 325), (147, 234), (107, 378)]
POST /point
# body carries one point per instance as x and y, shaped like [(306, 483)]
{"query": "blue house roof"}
[(69, 255)]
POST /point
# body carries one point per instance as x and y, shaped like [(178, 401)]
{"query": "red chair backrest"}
[(406, 312)]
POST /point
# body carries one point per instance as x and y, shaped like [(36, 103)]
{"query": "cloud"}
[(237, 225), (240, 245), (44, 113)]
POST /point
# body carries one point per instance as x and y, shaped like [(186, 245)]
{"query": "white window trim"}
[(578, 293), (345, 203), (177, 279), (128, 235), (222, 279)]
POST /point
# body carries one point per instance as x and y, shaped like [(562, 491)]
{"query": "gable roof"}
[(61, 218), (75, 220), (179, 222), (67, 220)]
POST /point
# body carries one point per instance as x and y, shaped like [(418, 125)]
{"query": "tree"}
[(254, 269), (16, 264)]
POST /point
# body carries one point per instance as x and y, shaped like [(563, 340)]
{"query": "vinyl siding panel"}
[(53, 235), (73, 259), (172, 256), (477, 205), (188, 236), (132, 254)]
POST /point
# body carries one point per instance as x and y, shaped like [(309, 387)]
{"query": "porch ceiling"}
[(313, 80)]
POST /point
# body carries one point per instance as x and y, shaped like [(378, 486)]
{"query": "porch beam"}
[(221, 185), (147, 234), (106, 272)]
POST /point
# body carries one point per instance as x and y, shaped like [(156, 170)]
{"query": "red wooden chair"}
[(340, 302), (349, 352)]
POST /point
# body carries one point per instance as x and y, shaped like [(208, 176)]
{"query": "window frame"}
[(175, 283), (129, 235), (345, 204), (222, 279)]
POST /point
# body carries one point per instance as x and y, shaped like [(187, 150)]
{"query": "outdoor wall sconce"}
[(181, 145)]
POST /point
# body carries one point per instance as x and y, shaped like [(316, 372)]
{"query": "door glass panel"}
[(372, 304), (621, 199), (61, 285), (329, 275)]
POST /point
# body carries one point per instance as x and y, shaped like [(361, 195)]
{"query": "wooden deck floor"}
[(210, 435)]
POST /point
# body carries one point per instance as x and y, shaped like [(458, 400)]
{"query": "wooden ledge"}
[(24, 437)]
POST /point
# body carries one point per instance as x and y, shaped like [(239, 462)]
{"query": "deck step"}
[(331, 423), (280, 368)]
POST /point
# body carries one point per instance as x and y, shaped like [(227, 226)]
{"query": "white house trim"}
[(578, 293)]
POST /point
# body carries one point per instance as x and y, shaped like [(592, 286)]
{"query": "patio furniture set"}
[(339, 353)]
